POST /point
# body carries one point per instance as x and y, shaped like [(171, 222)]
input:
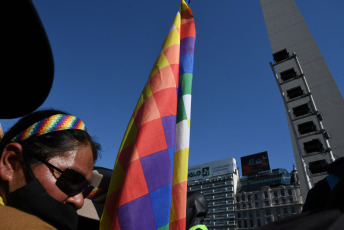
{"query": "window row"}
[(210, 185), (247, 197), (248, 205), (248, 223), (268, 212), (266, 195), (228, 203), (219, 189), (220, 196)]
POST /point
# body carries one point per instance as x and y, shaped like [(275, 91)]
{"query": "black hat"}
[(27, 62)]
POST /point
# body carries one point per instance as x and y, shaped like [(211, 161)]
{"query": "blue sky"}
[(104, 51)]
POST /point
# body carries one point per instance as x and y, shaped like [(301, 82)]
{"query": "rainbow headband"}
[(50, 124)]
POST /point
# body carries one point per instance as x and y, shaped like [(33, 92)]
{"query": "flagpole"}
[(1, 133)]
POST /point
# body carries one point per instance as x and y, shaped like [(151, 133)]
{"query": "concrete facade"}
[(288, 30), (265, 198)]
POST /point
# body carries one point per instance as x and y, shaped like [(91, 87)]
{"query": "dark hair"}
[(49, 145)]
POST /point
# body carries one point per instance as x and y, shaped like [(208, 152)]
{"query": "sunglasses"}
[(70, 181)]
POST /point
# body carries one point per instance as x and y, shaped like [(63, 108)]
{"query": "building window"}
[(244, 214), (301, 110), (259, 223), (229, 189), (288, 74), (229, 194), (275, 194), (249, 205), (266, 194), (285, 211), (238, 215), (268, 212), (295, 92), (317, 166), (243, 198), (229, 201), (237, 199), (244, 206), (251, 223), (282, 192), (256, 204), (268, 220), (238, 206), (306, 127), (278, 211), (284, 201), (281, 55), (245, 223), (239, 224), (267, 203), (256, 196), (313, 146), (276, 202), (291, 200), (249, 197), (258, 214), (292, 209), (250, 214), (289, 192)]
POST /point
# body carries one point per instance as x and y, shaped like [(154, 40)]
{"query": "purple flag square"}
[(187, 46), (137, 214), (157, 169), (169, 124)]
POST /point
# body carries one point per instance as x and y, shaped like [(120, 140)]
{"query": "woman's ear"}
[(10, 161)]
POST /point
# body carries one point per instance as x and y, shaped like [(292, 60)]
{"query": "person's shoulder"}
[(12, 218)]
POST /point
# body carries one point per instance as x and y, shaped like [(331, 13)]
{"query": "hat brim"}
[(91, 209), (28, 66)]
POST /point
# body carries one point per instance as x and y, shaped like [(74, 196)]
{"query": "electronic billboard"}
[(255, 163)]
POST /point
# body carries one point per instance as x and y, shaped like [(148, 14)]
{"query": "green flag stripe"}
[(181, 114), (186, 83)]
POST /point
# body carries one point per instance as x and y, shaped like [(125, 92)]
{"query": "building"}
[(265, 197), (313, 102), (217, 180), (261, 197)]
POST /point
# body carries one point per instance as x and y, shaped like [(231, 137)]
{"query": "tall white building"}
[(217, 180), (313, 102)]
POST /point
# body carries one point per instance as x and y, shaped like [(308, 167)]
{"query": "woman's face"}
[(80, 159)]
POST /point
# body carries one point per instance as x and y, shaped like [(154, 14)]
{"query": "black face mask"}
[(33, 198)]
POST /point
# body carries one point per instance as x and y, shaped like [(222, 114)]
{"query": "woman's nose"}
[(77, 200)]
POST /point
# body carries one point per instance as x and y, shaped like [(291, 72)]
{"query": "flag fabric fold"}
[(181, 157), (148, 185)]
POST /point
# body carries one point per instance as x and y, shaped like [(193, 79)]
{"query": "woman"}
[(46, 164)]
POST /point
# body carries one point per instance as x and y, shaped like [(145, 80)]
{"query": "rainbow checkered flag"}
[(149, 181)]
